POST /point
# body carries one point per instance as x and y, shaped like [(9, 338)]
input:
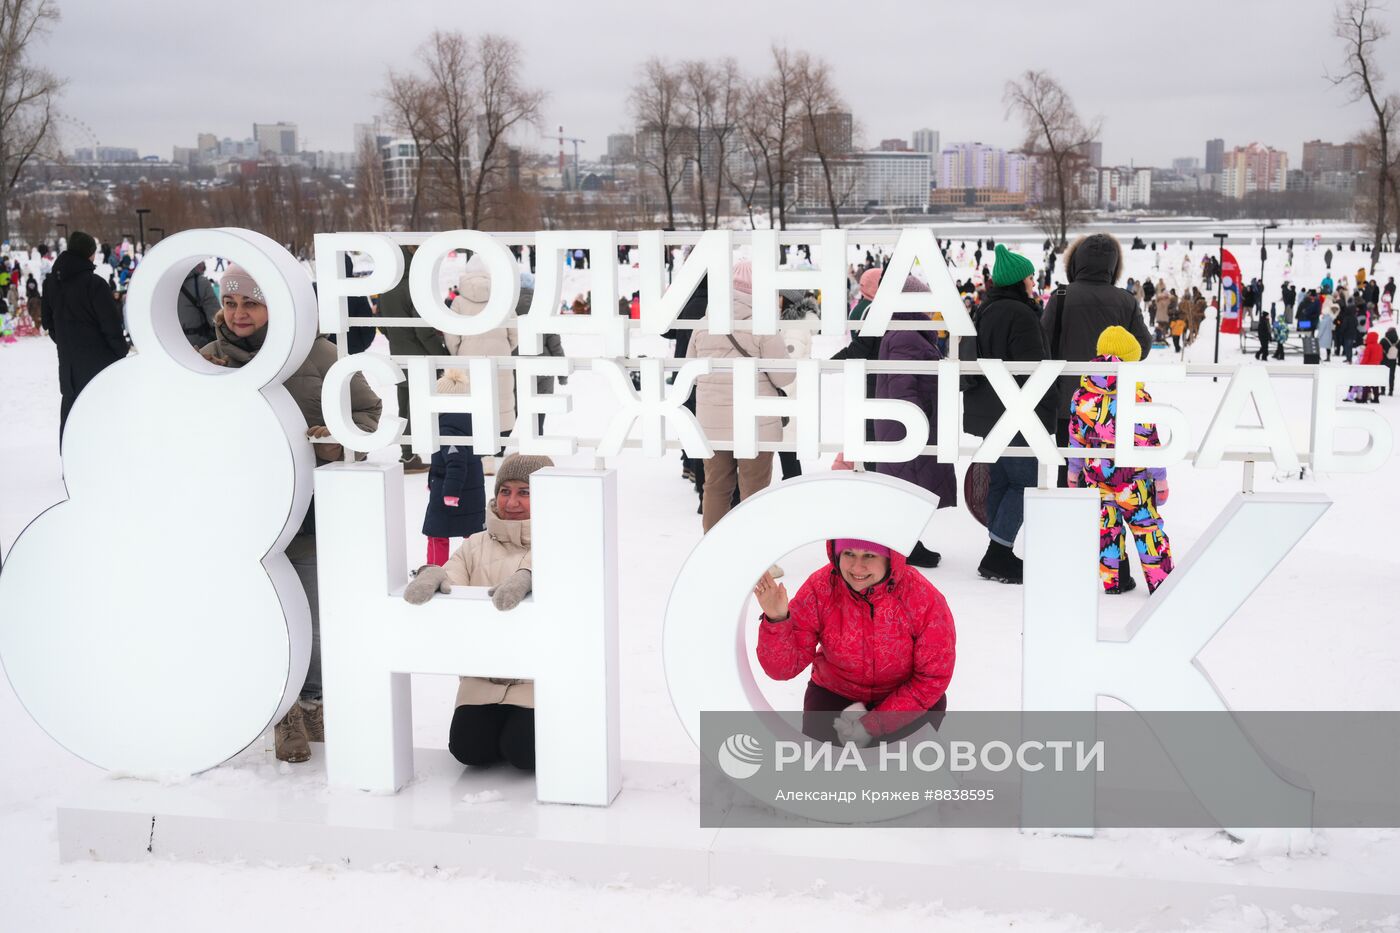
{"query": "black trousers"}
[(483, 735), (1062, 440), (791, 465), (819, 706)]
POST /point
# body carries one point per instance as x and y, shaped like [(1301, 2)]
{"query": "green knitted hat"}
[(1010, 268)]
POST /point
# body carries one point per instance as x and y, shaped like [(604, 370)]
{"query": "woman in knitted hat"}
[(869, 285), (1007, 329), (714, 404), (473, 291), (240, 328), (878, 637), (495, 716), (1128, 496)]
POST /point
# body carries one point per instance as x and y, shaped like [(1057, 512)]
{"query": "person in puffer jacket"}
[(879, 639), (1128, 496), (495, 716), (1371, 355), (456, 485)]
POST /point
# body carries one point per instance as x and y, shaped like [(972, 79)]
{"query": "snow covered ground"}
[(1319, 635)]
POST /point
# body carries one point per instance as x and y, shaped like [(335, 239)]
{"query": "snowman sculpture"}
[(151, 623)]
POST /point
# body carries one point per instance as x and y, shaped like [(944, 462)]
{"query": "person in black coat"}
[(359, 337), (1264, 329), (1347, 329), (1008, 328), (865, 347), (456, 484), (408, 341), (1090, 303), (695, 308), (83, 319)]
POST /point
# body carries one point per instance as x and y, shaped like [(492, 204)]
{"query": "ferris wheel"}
[(71, 125)]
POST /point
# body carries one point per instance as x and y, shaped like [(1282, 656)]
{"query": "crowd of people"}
[(878, 636)]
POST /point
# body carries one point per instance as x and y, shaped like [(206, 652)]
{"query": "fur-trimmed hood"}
[(1097, 257)]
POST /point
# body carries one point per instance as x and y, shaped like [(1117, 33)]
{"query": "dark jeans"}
[(1006, 497), (406, 450), (483, 735), (820, 706), (1390, 365), (787, 459), (304, 564)]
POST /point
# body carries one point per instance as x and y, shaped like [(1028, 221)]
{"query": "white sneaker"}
[(488, 466), (775, 571)]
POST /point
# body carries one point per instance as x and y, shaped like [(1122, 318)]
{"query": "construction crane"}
[(568, 139)]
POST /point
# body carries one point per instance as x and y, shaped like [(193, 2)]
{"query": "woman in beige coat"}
[(714, 404), (1162, 309), (240, 327), (495, 716), (473, 291)]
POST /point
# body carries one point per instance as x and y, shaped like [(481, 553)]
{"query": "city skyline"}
[(334, 69)]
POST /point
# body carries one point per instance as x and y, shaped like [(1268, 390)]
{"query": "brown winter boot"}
[(315, 722), (290, 738)]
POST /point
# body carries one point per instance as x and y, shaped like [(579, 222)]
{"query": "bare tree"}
[(697, 106), (724, 121), (504, 104), (818, 102), (751, 137), (370, 191), (27, 95), (710, 98), (1055, 133), (411, 101), (1356, 23), (448, 58), (772, 120), (656, 106)]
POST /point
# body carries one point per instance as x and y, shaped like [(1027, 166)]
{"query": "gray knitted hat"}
[(519, 467)]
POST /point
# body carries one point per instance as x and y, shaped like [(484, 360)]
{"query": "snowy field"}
[(1319, 635)]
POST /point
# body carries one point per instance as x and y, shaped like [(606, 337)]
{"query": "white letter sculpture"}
[(1151, 666), (189, 633), (564, 636)]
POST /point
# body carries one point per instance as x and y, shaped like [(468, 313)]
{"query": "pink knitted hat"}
[(237, 281), (857, 544), (743, 277), (869, 282)]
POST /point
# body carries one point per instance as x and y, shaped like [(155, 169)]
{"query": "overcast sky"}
[(1164, 76)]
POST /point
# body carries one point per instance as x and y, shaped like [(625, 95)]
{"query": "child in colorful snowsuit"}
[(1128, 496)]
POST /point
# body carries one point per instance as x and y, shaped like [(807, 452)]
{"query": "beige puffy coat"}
[(304, 385), (714, 394), (485, 559), (499, 342), (1163, 304)]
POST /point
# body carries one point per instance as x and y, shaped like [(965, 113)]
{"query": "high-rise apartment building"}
[(276, 138), (1251, 168), (1215, 156)]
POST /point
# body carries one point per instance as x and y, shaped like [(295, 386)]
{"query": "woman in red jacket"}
[(1371, 356), (878, 636)]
